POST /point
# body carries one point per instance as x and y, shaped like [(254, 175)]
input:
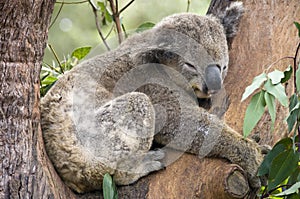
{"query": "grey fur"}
[(230, 18), (103, 115)]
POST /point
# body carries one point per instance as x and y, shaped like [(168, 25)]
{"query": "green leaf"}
[(287, 74), (294, 177), (293, 102), (145, 26), (270, 101), (109, 188), (46, 88), (80, 53), (107, 15), (298, 79), (293, 196), (286, 142), (257, 82), (279, 147), (264, 168), (292, 189), (292, 118), (276, 76), (298, 27), (254, 112), (49, 80), (294, 112), (277, 91), (282, 167)]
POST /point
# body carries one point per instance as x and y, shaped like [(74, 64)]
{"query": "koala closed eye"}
[(190, 67)]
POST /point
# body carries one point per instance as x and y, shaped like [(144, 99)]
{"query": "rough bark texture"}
[(24, 170), (266, 34), (188, 177)]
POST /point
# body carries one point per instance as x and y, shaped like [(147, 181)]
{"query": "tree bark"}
[(188, 177), (266, 34), (24, 170)]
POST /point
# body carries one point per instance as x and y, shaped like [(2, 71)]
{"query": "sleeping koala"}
[(104, 115)]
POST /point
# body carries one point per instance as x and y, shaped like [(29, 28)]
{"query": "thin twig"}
[(188, 5), (111, 29), (271, 65), (125, 7), (295, 67), (117, 6), (60, 8), (75, 2), (51, 67), (98, 25), (124, 30), (116, 18), (56, 57)]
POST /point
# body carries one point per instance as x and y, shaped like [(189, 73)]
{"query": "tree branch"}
[(125, 7), (116, 17), (98, 25)]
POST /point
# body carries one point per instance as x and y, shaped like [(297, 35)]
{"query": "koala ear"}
[(229, 14)]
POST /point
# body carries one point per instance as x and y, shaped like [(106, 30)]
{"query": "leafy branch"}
[(280, 166)]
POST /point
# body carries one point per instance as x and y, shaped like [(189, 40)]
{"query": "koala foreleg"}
[(215, 138)]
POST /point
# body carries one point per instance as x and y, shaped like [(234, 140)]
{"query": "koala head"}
[(197, 46)]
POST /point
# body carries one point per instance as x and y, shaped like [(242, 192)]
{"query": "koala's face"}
[(201, 53)]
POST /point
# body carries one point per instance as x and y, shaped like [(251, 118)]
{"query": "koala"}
[(105, 115)]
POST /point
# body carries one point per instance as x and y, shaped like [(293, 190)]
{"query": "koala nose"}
[(213, 78)]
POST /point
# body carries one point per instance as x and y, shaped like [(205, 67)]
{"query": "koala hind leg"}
[(128, 122)]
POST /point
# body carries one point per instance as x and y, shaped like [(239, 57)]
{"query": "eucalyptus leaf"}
[(292, 196), (270, 101), (256, 83), (287, 74), (291, 190), (280, 146), (298, 79), (294, 112), (276, 76), (298, 27), (145, 26), (264, 168), (295, 177), (102, 6), (277, 91), (254, 112), (81, 52), (109, 188), (45, 88), (282, 167), (49, 80), (286, 142)]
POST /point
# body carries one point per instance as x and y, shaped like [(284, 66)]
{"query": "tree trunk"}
[(266, 34), (24, 170)]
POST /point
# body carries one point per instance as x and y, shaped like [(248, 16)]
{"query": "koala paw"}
[(138, 166), (252, 166)]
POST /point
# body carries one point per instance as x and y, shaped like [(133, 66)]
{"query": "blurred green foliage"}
[(75, 24)]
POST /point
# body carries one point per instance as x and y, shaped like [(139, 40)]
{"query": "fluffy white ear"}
[(229, 15), (231, 18)]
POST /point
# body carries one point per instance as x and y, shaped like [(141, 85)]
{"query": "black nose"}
[(213, 78)]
